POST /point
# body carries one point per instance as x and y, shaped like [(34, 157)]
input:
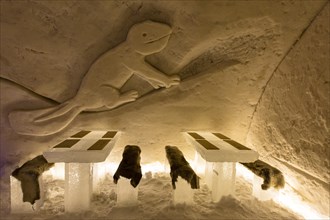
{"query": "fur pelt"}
[(272, 176), (129, 166), (28, 175), (180, 167)]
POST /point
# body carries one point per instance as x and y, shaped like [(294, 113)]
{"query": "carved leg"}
[(126, 97)]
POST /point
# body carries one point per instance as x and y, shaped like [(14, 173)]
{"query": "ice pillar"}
[(183, 192), (78, 186), (220, 178), (127, 195), (199, 164), (209, 174), (97, 175)]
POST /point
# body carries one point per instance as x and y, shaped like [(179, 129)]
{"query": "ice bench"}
[(267, 180), (79, 152), (215, 158)]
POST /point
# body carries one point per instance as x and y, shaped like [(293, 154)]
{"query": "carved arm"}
[(155, 77)]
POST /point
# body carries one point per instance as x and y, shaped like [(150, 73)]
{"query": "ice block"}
[(97, 175), (223, 180), (183, 192), (78, 186), (199, 164), (127, 195)]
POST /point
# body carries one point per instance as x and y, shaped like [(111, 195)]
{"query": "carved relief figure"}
[(99, 89)]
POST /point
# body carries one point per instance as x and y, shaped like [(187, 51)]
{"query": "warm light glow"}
[(288, 198), (103, 168), (198, 164), (57, 171), (285, 197), (244, 172), (155, 167)]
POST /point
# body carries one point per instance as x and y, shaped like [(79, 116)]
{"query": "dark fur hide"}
[(28, 175), (180, 167), (272, 176), (129, 166)]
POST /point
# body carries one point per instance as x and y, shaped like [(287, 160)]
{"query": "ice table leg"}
[(127, 195), (262, 195), (209, 174), (97, 176), (220, 178), (78, 186), (183, 192), (200, 164), (16, 197)]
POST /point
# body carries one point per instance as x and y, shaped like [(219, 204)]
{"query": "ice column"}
[(167, 168), (220, 178), (127, 195), (183, 192), (262, 195), (97, 175), (209, 174), (199, 164), (78, 186), (16, 197)]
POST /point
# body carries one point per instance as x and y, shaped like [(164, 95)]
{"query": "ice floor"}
[(155, 202)]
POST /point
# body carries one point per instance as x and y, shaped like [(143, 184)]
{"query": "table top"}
[(83, 147), (216, 147)]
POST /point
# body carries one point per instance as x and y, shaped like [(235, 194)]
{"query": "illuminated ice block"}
[(199, 164), (223, 180), (16, 197), (78, 186), (183, 192), (221, 154), (97, 175), (220, 179), (262, 195), (79, 152), (208, 175), (127, 195)]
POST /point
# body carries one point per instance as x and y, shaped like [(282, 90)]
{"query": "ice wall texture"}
[(291, 125), (48, 46)]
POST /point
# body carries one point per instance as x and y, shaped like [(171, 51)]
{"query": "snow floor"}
[(155, 202)]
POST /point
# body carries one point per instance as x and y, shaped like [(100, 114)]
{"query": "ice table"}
[(78, 152), (219, 154)]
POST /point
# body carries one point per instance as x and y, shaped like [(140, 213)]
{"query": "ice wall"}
[(291, 125), (47, 46)]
